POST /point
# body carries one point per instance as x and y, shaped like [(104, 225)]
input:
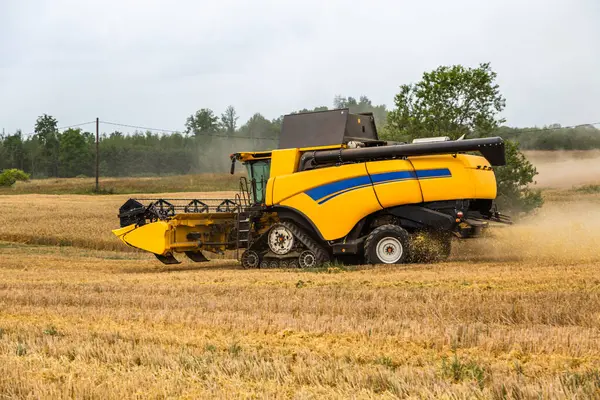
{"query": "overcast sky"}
[(153, 63)]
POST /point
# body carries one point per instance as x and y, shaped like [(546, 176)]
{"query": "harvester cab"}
[(258, 168), (332, 189)]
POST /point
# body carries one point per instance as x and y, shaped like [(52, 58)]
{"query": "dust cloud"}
[(566, 233), (565, 169), (214, 156), (562, 232)]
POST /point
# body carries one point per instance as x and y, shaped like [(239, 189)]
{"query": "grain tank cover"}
[(326, 128)]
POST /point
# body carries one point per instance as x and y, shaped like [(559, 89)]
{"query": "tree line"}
[(203, 146), (553, 137), (453, 101), (208, 138)]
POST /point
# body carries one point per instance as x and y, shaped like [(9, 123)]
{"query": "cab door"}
[(258, 173)]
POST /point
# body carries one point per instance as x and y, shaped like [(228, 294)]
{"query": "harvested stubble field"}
[(111, 185), (515, 316)]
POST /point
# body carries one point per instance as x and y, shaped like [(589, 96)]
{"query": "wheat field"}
[(82, 316), (112, 185)]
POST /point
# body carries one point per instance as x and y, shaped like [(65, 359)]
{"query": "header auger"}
[(332, 189)]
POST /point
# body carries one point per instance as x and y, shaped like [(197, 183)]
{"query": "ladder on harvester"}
[(242, 220)]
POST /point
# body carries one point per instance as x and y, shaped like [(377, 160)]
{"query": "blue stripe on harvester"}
[(327, 198), (328, 189), (433, 173), (324, 193), (392, 176)]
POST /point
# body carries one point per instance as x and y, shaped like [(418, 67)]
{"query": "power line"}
[(157, 130), (526, 130), (76, 125), (64, 127), (174, 131), (139, 127)]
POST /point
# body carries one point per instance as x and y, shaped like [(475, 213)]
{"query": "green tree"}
[(203, 122), (46, 130), (258, 126), (34, 162), (363, 105), (75, 154), (305, 110), (514, 179), (229, 120), (449, 101), (454, 101), (262, 132), (204, 126), (13, 151), (9, 176)]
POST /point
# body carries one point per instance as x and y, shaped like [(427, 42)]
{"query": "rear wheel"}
[(387, 244)]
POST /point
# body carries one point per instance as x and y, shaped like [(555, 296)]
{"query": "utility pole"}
[(97, 155)]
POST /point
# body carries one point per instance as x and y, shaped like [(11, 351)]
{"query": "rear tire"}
[(387, 244)]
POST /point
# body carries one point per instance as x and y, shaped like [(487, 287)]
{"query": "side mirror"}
[(232, 165)]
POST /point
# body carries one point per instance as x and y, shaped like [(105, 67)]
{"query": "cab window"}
[(258, 172)]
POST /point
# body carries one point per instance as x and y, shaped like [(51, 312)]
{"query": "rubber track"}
[(321, 254)]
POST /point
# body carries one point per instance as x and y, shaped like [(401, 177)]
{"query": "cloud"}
[(155, 62)]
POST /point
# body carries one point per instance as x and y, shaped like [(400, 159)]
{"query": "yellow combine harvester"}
[(332, 189)]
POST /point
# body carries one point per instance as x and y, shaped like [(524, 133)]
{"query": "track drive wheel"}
[(314, 254), (281, 239), (250, 259), (307, 259), (387, 244)]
